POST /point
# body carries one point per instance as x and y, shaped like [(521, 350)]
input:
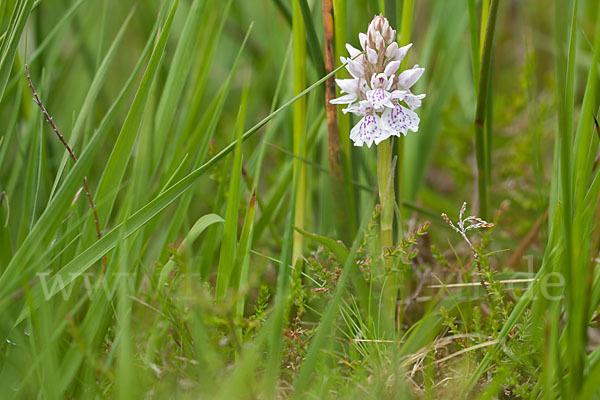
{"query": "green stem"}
[(403, 39), (390, 11), (405, 30), (474, 34), (577, 317), (299, 117), (482, 98), (340, 18), (485, 14), (385, 179), (406, 25)]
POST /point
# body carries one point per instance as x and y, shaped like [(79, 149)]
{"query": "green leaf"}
[(8, 49), (121, 153), (199, 227), (314, 47), (337, 248), (90, 98), (301, 383), (84, 260), (228, 245)]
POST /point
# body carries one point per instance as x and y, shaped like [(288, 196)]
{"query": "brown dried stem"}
[(333, 141), (49, 119)]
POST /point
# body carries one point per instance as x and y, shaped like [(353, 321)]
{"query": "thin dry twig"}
[(49, 119)]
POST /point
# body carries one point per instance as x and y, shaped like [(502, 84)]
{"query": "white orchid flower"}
[(376, 91)]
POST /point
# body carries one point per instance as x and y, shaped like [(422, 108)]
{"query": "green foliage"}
[(200, 128)]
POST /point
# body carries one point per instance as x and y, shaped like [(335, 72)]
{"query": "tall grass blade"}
[(481, 149), (327, 322), (299, 125), (228, 245)]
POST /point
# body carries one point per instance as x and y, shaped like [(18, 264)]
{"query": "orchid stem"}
[(385, 178)]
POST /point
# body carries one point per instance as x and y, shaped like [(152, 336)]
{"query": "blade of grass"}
[(229, 242), (282, 185), (48, 37), (312, 41), (50, 219), (8, 49), (242, 258), (551, 255), (200, 226), (121, 153), (480, 113), (91, 97), (443, 39), (211, 27), (84, 260), (275, 340), (565, 99), (176, 78), (340, 24), (474, 37), (200, 137), (403, 40), (299, 126), (301, 383)]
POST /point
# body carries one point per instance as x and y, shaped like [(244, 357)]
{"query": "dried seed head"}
[(473, 223)]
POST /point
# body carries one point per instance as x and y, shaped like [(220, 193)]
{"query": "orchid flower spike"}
[(377, 91)]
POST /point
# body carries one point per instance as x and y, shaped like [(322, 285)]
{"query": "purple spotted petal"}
[(400, 120), (368, 130), (380, 98)]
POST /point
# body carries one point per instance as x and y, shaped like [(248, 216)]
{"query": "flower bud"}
[(380, 25)]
